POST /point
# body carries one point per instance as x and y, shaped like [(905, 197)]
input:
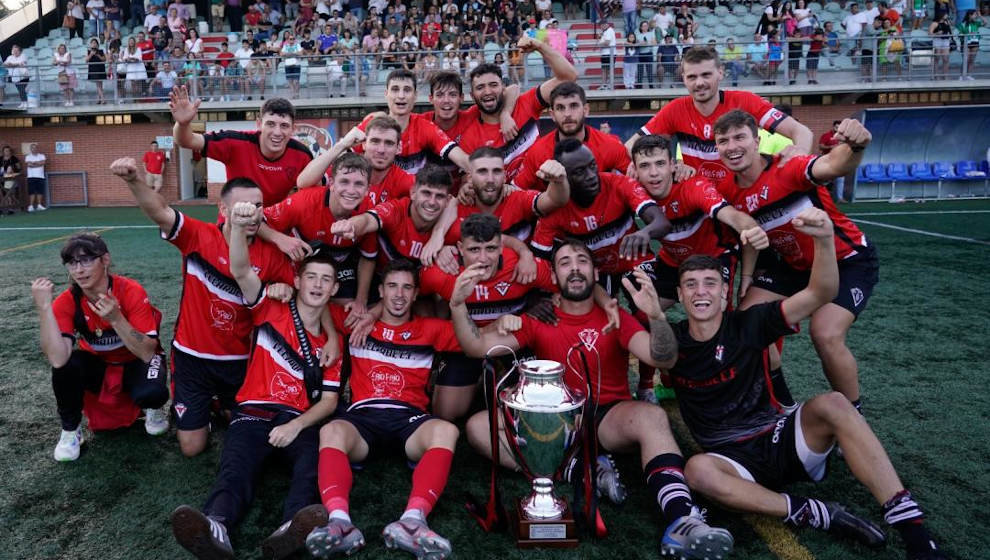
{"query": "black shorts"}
[(776, 457), (858, 275), (197, 381), (665, 278), (384, 424), (457, 370), (812, 61), (292, 71), (36, 185)]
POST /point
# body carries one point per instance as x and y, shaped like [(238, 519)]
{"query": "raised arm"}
[(242, 216), (823, 284), (845, 157), (57, 348), (184, 111), (355, 227), (558, 191), (804, 140), (563, 71), (152, 203), (750, 232), (659, 349), (313, 173), (474, 342), (510, 96)]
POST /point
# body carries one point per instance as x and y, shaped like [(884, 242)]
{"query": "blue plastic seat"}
[(875, 173), (921, 171), (943, 170), (899, 172), (970, 171)]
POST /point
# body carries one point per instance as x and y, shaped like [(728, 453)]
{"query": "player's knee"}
[(826, 336), (654, 417), (478, 432), (444, 434), (701, 474), (833, 407), (150, 396), (191, 443), (333, 435)]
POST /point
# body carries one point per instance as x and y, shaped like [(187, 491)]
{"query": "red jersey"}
[(275, 369), (691, 207), (154, 162), (828, 141), (395, 361), (147, 50), (225, 58), (241, 154), (517, 212), (601, 226), (396, 184), (693, 131), (492, 298), (96, 336), (607, 353), (213, 322), (526, 115), (306, 214), (397, 235), (778, 196), (610, 155), (421, 137)]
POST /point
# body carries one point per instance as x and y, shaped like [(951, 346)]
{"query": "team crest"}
[(180, 409), (502, 287), (675, 206), (406, 335), (857, 296), (719, 351), (765, 192), (588, 337)]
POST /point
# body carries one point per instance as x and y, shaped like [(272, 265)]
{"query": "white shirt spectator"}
[(77, 11), (853, 25), (243, 56), (194, 46), (35, 172), (899, 5), (95, 7), (607, 41), (380, 4), (663, 21), (412, 41), (151, 20), (866, 17), (17, 66), (334, 70)]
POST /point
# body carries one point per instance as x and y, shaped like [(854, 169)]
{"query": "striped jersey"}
[(691, 208), (421, 137), (240, 152), (610, 155), (517, 213), (306, 214), (397, 234)]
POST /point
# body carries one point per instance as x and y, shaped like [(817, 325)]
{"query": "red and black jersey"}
[(778, 196), (517, 213), (275, 373), (600, 226), (420, 138), (693, 131), (396, 184), (691, 207), (610, 155), (241, 154), (306, 214), (397, 234), (455, 132), (395, 361), (213, 322), (605, 352), (97, 336), (492, 298), (526, 115)]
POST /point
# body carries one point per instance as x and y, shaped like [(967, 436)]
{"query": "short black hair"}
[(400, 74), (481, 227), (446, 78), (646, 145), (319, 257), (237, 183), (735, 119), (155, 142), (581, 246), (434, 175), (349, 161), (836, 122), (566, 146), (401, 265), (279, 106), (87, 244), (699, 262), (486, 151), (485, 68), (567, 89)]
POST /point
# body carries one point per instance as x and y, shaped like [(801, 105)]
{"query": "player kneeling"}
[(752, 449), (119, 363), (286, 393)]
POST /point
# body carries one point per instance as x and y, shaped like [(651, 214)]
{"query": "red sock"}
[(429, 479), (780, 345), (335, 479)]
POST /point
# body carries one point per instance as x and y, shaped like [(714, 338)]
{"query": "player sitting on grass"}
[(286, 394), (118, 345), (751, 448)]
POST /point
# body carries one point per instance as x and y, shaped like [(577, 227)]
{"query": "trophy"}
[(540, 415)]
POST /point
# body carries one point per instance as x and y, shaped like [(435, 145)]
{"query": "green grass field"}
[(920, 345)]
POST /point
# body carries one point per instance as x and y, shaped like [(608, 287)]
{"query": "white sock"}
[(340, 514), (413, 514)]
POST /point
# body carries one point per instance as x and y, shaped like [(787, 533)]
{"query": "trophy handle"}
[(515, 362)]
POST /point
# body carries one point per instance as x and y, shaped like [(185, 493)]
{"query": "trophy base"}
[(543, 533)]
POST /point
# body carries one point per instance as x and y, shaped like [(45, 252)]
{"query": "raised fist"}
[(125, 168), (552, 171), (853, 132), (245, 214)]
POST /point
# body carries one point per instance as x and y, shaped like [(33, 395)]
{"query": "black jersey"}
[(721, 383)]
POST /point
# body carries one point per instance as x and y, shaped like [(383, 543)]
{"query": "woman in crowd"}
[(67, 82), (17, 67), (96, 66)]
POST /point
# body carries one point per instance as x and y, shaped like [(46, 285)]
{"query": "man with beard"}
[(269, 157), (690, 119), (285, 396), (388, 416), (420, 135), (568, 109), (380, 145), (622, 424), (773, 194), (751, 449), (447, 96), (601, 213)]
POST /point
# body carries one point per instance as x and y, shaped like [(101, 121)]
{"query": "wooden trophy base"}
[(543, 533)]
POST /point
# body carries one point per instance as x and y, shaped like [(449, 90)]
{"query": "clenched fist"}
[(41, 291), (125, 168), (552, 171), (853, 132), (245, 214)]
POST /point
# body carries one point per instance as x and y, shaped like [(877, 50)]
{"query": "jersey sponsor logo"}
[(785, 243), (779, 213), (223, 315), (588, 337), (415, 418), (684, 228), (723, 376), (213, 280), (713, 171), (284, 387), (777, 429), (857, 296), (386, 382), (274, 168), (502, 287), (280, 351)]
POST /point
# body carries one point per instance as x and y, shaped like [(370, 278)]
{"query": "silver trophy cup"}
[(540, 415)]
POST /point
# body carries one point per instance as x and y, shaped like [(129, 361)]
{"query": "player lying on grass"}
[(751, 449), (622, 424), (285, 396), (119, 350)]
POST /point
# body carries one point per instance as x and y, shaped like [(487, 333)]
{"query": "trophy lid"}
[(541, 388)]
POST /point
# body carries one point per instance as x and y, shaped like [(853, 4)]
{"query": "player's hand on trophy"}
[(814, 222), (644, 295), (244, 214), (41, 292), (465, 283), (755, 237), (125, 168)]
